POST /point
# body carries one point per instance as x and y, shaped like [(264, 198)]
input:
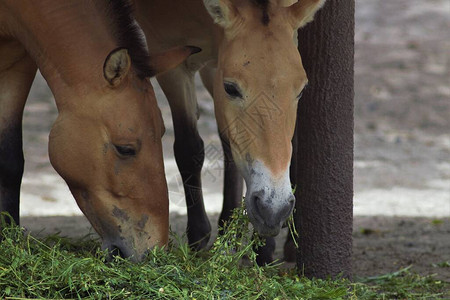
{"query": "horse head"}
[(107, 146), (258, 83)]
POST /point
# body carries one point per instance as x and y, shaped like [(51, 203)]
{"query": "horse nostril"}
[(291, 200), (258, 204), (289, 204), (271, 211), (256, 201), (115, 251)]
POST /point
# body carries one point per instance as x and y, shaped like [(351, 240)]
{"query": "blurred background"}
[(402, 121)]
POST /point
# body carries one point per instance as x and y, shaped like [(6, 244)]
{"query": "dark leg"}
[(289, 249), (189, 155), (265, 253), (179, 88), (232, 186), (11, 170), (17, 72)]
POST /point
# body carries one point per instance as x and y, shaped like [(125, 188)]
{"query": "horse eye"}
[(232, 90), (125, 150)]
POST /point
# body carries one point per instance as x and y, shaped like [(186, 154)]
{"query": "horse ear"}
[(303, 11), (116, 66), (170, 59), (222, 11)]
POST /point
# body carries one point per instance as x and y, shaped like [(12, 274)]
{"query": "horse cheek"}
[(68, 153)]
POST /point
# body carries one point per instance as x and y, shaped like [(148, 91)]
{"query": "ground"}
[(402, 144), (380, 244)]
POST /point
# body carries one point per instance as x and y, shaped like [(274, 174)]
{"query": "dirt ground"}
[(402, 140)]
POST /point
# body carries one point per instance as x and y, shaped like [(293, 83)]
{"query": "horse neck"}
[(170, 23), (69, 41)]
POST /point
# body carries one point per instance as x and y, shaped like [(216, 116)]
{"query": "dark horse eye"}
[(232, 90), (125, 150)]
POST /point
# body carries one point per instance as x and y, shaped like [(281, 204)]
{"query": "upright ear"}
[(116, 66), (303, 12), (170, 59), (223, 12)]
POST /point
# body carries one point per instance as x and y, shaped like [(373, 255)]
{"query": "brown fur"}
[(129, 35), (248, 43), (263, 4), (278, 55), (104, 105)]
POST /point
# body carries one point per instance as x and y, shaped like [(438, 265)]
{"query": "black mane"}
[(264, 5), (129, 35)]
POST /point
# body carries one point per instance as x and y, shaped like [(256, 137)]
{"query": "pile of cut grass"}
[(57, 267)]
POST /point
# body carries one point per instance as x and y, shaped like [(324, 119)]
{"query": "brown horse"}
[(106, 141), (251, 66)]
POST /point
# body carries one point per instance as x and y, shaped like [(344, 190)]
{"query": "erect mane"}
[(129, 35), (264, 5)]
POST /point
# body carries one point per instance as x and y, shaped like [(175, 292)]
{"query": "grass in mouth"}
[(59, 268)]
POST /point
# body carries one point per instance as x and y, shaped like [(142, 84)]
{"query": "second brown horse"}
[(251, 66)]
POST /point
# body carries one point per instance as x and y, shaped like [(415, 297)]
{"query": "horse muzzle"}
[(269, 199), (119, 247), (267, 212)]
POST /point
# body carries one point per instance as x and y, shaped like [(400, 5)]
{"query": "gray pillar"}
[(324, 159)]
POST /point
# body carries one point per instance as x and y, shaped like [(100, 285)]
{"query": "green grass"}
[(57, 267)]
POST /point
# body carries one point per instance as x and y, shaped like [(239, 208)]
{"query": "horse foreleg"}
[(17, 72), (232, 186), (179, 88)]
